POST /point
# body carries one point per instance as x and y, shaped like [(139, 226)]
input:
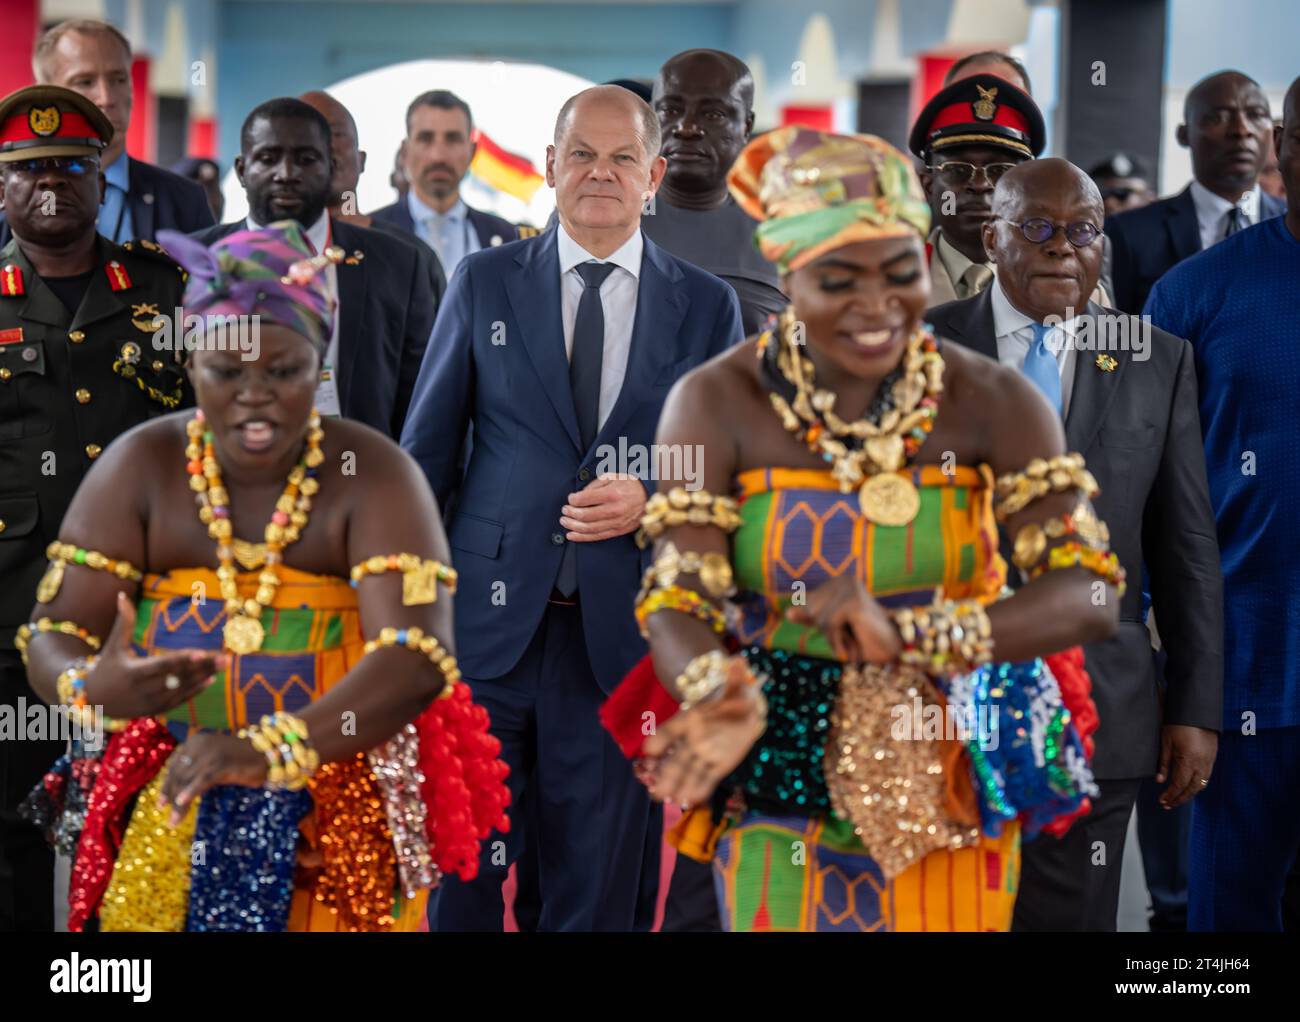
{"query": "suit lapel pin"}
[(1106, 364), (494, 241), (355, 258)]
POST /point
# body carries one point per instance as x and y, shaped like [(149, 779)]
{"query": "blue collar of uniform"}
[(119, 173)]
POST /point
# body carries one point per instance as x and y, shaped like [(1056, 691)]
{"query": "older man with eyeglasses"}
[(1127, 397)]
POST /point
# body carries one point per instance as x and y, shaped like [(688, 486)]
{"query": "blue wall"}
[(283, 49)]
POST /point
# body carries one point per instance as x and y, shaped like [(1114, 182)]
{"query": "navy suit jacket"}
[(159, 200), (486, 225), (497, 360), (386, 310), (1146, 243)]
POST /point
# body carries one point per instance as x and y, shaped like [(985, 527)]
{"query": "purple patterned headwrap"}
[(270, 273)]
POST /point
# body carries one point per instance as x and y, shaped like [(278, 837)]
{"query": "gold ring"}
[(1204, 782)]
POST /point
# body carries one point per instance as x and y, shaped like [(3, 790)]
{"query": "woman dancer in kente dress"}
[(265, 767), (865, 728)]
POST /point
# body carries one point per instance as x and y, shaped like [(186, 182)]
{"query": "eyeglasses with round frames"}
[(1038, 230), (955, 172)]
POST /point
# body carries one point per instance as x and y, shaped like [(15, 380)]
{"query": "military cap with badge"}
[(45, 128)]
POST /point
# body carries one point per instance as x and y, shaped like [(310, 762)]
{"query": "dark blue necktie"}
[(1236, 221), (585, 363)]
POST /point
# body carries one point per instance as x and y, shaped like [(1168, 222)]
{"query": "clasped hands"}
[(609, 506)]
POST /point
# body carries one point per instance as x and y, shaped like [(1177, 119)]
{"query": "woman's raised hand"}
[(125, 685)]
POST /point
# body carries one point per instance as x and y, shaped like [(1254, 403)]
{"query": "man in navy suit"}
[(436, 155), (1227, 130), (94, 59), (560, 350), (386, 305)]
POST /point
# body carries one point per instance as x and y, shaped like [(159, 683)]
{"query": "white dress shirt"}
[(1212, 212), (327, 391), (618, 296), (450, 234), (1015, 335)]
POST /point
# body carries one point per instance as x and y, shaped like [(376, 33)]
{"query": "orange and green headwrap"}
[(814, 192)]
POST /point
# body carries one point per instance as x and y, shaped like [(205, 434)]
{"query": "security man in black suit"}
[(386, 305), (78, 366), (94, 59), (1227, 130), (1128, 396), (436, 155)]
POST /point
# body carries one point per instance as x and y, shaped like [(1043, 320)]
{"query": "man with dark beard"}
[(385, 308), (436, 155)]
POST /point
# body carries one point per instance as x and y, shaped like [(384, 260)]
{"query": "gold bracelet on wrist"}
[(946, 637), (29, 631), (284, 740), (1015, 491), (682, 600), (1102, 563), (680, 506), (703, 676), (1032, 538), (420, 576), (414, 639), (713, 569)]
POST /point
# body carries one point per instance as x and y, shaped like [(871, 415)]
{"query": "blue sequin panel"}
[(1027, 759), (245, 850)]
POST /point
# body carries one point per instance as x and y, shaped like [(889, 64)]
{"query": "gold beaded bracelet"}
[(1015, 491), (1032, 538), (680, 506), (946, 637), (45, 625), (283, 739), (713, 569), (682, 600), (428, 645), (70, 687), (420, 577), (1100, 562)]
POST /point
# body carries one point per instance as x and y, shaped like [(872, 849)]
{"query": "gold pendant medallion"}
[(249, 555), (889, 499), (243, 634)]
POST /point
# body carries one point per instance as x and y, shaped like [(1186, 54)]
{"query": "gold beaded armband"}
[(45, 625), (1100, 562), (415, 639), (946, 637), (1033, 537), (420, 577), (283, 739), (71, 554), (682, 600), (1017, 490), (680, 506), (713, 569)]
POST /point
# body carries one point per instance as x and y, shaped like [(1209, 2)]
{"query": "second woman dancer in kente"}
[(864, 722)]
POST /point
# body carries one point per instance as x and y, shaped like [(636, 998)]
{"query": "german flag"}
[(504, 171)]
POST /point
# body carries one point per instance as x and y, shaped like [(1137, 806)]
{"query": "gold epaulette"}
[(526, 231)]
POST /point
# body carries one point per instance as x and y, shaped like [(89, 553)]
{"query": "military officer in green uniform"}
[(78, 367)]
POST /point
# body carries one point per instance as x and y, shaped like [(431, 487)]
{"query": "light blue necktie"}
[(1040, 366)]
